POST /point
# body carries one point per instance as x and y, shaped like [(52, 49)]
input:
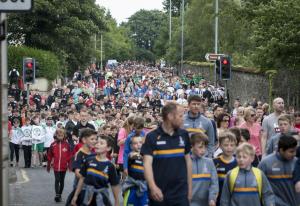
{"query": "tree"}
[(63, 27), (276, 34), (144, 27), (116, 42), (175, 6)]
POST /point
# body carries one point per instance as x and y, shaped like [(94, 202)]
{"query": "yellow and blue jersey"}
[(99, 173), (136, 167), (169, 165)]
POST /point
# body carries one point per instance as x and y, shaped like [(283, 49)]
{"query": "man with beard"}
[(167, 149)]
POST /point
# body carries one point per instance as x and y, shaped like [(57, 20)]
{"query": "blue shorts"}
[(131, 198)]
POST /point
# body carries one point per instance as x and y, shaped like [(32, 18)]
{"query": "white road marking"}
[(24, 176)]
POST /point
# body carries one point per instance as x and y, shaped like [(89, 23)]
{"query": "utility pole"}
[(101, 60), (170, 21), (4, 115), (182, 37), (95, 48), (216, 34)]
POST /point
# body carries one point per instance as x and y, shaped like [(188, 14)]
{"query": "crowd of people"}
[(165, 139)]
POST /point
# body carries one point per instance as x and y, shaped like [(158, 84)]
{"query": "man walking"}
[(270, 123), (195, 122), (167, 162)]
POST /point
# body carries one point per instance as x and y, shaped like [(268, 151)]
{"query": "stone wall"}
[(247, 84)]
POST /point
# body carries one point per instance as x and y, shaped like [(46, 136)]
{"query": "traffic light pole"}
[(3, 117), (216, 35), (225, 95), (27, 94)]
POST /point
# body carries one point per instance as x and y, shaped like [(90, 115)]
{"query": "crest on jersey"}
[(27, 132), (105, 169), (37, 132), (181, 142)]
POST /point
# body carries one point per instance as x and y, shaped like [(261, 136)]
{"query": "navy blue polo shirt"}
[(169, 165)]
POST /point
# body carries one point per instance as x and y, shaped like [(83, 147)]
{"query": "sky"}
[(123, 9)]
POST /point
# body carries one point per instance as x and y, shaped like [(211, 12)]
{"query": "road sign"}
[(15, 5), (212, 57)]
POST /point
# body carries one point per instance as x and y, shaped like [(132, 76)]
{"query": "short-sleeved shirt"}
[(169, 165), (270, 125), (136, 167), (78, 160), (99, 173)]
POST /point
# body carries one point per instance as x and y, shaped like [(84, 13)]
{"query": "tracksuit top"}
[(201, 124), (272, 143), (223, 167), (205, 181), (280, 174), (245, 191)]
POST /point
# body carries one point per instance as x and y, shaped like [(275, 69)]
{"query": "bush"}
[(48, 62)]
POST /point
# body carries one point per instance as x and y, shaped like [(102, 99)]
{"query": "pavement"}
[(35, 186)]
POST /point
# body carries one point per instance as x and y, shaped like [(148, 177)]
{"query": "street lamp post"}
[(182, 37), (170, 21), (101, 57), (216, 35)]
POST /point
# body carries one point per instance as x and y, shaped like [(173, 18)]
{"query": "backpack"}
[(257, 173)]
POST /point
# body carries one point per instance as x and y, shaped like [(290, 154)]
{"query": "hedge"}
[(49, 64)]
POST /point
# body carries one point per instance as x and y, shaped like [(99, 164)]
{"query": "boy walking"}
[(285, 125), (226, 161), (96, 173), (135, 186), (204, 174), (279, 169), (246, 184), (89, 138), (26, 142)]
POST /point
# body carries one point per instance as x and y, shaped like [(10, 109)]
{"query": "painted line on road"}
[(24, 177)]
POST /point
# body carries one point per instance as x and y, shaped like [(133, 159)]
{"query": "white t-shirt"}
[(49, 136), (17, 135), (27, 137), (38, 134)]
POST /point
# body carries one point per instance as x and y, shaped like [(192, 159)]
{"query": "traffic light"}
[(28, 70), (225, 67)]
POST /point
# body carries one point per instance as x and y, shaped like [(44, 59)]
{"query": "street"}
[(35, 187)]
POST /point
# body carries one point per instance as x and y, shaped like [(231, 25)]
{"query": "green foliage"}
[(256, 33), (49, 65), (277, 34), (116, 43), (64, 27), (175, 6), (144, 28)]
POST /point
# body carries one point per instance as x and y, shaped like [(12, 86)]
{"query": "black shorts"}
[(183, 201)]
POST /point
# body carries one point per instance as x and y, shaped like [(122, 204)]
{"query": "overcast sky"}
[(122, 9)]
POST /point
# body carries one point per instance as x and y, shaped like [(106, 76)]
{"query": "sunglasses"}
[(253, 115)]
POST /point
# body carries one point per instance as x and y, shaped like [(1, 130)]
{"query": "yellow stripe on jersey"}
[(97, 172), (245, 189), (137, 167), (195, 130), (201, 175), (168, 151)]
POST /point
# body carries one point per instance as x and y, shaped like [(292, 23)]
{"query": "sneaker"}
[(57, 198)]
